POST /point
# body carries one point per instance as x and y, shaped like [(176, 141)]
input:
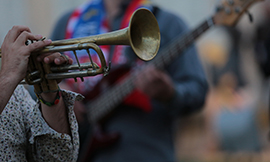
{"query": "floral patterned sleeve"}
[(25, 136)]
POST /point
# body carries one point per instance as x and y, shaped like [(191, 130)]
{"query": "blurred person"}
[(29, 130), (145, 120), (231, 109)]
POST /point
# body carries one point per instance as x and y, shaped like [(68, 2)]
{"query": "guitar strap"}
[(89, 19)]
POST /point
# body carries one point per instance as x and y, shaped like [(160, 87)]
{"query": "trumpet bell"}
[(144, 34)]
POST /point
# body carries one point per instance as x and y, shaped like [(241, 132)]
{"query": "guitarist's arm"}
[(183, 85), (190, 84)]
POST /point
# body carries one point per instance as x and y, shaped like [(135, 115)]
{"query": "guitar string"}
[(99, 108)]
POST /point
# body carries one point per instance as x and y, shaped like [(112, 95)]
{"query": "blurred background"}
[(234, 123), (41, 15)]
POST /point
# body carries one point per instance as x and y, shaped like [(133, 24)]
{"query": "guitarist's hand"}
[(155, 83)]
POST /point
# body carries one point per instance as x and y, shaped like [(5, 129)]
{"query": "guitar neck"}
[(177, 46), (106, 102)]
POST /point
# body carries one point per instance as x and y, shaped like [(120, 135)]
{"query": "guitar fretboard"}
[(106, 102)]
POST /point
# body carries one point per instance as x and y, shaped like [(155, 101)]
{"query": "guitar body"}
[(97, 138), (108, 81)]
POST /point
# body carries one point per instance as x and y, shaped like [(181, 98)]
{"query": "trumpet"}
[(142, 35)]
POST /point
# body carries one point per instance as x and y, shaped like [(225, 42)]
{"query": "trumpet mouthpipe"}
[(75, 74), (118, 37), (74, 67), (63, 48)]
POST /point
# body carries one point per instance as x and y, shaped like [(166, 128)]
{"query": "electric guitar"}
[(228, 14)]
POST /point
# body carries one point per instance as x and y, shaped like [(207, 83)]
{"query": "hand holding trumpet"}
[(15, 58), (15, 53)]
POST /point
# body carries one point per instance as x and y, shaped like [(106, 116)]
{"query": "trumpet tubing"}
[(142, 35)]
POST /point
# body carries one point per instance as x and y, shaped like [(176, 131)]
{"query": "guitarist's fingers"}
[(142, 81), (155, 83)]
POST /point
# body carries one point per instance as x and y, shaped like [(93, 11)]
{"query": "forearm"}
[(56, 115), (190, 83), (7, 86), (14, 59)]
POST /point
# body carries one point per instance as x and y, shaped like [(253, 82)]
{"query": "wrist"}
[(11, 79), (49, 99), (11, 76)]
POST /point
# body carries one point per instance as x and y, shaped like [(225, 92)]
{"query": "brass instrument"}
[(142, 35)]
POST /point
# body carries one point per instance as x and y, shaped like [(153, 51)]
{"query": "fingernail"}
[(46, 59), (57, 60), (39, 36), (48, 41)]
